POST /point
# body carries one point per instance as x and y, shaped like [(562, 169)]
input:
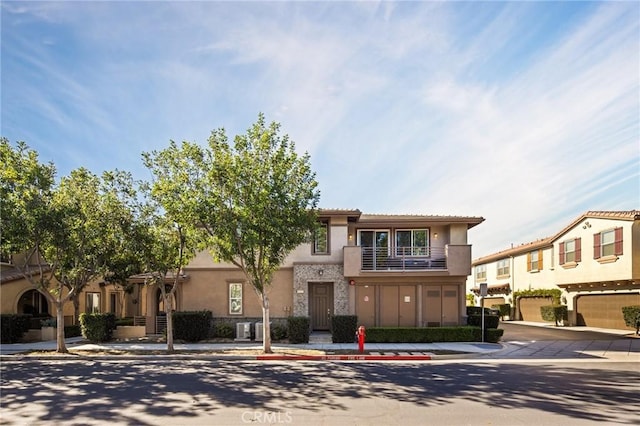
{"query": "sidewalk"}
[(623, 349)]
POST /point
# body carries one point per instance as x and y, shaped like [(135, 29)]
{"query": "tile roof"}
[(546, 242)]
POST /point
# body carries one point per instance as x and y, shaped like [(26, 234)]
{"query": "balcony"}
[(448, 260)]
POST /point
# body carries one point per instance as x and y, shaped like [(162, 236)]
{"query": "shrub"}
[(554, 293), (97, 327), (298, 329), (191, 326), (13, 327), (503, 309), (430, 334), (477, 310), (278, 332), (223, 330), (490, 320), (72, 331), (49, 322), (124, 322), (632, 316), (554, 313), (343, 328)]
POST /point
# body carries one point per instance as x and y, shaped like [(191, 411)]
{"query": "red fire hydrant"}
[(361, 334)]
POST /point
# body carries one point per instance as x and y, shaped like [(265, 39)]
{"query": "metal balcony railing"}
[(403, 258)]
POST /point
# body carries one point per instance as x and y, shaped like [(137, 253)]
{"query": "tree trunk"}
[(168, 308), (62, 347), (76, 309), (266, 326)]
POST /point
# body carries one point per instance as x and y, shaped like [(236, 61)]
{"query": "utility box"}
[(243, 332), (259, 330)]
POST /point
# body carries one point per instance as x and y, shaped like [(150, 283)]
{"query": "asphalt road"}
[(191, 392)]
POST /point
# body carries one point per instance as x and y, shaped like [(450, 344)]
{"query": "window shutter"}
[(539, 260), (596, 246), (578, 250), (617, 247), (529, 262), (561, 253)]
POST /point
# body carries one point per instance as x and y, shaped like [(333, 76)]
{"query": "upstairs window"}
[(321, 239), (503, 268), (570, 251), (481, 272), (607, 243), (534, 261), (412, 242)]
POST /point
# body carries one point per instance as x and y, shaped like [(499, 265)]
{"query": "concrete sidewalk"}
[(623, 349)]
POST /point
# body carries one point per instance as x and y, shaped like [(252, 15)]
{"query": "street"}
[(192, 392)]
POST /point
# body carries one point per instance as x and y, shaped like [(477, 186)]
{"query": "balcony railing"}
[(403, 258)]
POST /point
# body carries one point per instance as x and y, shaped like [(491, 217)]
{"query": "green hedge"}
[(223, 330), (504, 309), (431, 334), (72, 331), (97, 327), (554, 313), (632, 316), (343, 328), (490, 320), (13, 327), (298, 329), (191, 326), (554, 293), (278, 332)]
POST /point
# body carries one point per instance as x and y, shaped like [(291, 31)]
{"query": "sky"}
[(524, 113)]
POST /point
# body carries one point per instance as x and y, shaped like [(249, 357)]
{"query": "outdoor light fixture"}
[(435, 236), (321, 272)]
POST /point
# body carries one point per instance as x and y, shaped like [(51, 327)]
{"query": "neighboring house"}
[(389, 270), (18, 296), (594, 261)]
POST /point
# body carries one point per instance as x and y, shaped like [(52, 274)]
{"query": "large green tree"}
[(68, 230), (175, 236), (255, 200)]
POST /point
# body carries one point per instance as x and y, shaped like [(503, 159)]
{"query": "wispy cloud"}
[(524, 113)]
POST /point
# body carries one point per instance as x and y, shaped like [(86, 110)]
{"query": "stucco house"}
[(594, 261), (389, 270)]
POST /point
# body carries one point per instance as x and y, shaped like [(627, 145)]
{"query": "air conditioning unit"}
[(259, 331), (243, 331)]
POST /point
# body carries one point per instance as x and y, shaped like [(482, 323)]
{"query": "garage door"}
[(491, 301), (530, 307), (604, 310)]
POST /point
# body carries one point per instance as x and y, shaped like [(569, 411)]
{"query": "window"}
[(534, 261), (235, 298), (321, 239), (481, 272), (93, 303), (113, 303), (570, 251), (503, 267), (413, 242), (607, 243)]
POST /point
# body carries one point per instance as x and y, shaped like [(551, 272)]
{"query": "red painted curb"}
[(277, 357)]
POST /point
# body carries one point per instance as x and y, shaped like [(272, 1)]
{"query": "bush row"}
[(631, 316), (555, 313), (431, 334), (13, 327)]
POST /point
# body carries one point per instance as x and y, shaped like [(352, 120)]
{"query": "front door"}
[(321, 305)]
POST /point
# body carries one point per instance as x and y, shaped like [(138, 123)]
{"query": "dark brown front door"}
[(321, 305)]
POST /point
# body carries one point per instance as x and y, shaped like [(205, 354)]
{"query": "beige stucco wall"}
[(206, 290)]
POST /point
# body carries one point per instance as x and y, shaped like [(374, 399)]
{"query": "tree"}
[(68, 230), (173, 227), (251, 203)]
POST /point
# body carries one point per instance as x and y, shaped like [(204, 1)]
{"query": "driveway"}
[(541, 332)]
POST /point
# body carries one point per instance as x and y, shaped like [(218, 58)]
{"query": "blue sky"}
[(524, 113)]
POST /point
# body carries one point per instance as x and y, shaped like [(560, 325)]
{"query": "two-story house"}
[(594, 260), (389, 270)]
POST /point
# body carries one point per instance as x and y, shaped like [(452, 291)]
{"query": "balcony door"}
[(375, 248)]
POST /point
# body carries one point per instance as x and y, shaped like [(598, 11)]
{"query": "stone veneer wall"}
[(303, 274)]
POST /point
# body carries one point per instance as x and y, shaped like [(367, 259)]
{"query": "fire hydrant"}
[(361, 333)]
